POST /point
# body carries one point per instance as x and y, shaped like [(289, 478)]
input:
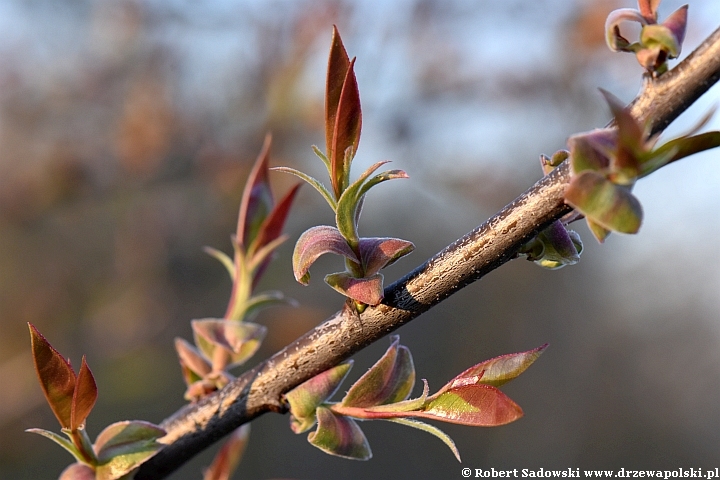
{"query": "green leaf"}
[(378, 253), (364, 290), (600, 233), (124, 446), (313, 243), (264, 300), (660, 37), (228, 458), (312, 182), (62, 441), (339, 436), (223, 258), (390, 380), (84, 396), (306, 397), (475, 404), (257, 201), (56, 376), (240, 340), (431, 430), (611, 206), (348, 205), (679, 148), (496, 371)]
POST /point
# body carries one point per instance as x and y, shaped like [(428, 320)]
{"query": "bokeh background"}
[(127, 129)]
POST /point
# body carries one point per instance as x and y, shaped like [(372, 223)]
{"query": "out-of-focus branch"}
[(260, 390)]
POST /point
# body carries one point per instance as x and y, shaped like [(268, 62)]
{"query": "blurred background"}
[(127, 129)]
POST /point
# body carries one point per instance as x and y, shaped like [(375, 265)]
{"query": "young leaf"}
[(346, 137), (263, 300), (315, 242), (223, 258), (472, 404), (56, 376), (364, 290), (191, 359), (592, 150), (431, 430), (84, 396), (272, 226), (496, 371), (338, 65), (680, 148), (611, 206), (62, 441), (228, 458), (257, 201), (77, 471), (614, 39), (124, 446), (339, 436), (676, 22), (239, 339), (306, 397), (378, 253), (390, 380), (312, 182)]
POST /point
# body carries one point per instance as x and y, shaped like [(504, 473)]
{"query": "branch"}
[(260, 390)]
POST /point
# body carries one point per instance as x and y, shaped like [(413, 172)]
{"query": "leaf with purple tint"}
[(339, 436), (390, 380), (306, 397), (338, 66), (592, 150), (315, 242), (239, 340), (378, 253), (611, 206), (195, 366), (257, 201), (613, 37), (364, 290), (273, 224), (676, 22), (56, 376)]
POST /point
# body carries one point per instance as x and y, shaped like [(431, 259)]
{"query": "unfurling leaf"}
[(554, 247), (56, 376), (340, 436), (194, 364), (306, 397), (431, 430), (592, 150), (229, 456), (77, 471), (378, 253), (338, 65), (315, 242), (257, 201), (124, 446), (390, 380), (240, 340), (364, 290), (611, 206), (62, 441)]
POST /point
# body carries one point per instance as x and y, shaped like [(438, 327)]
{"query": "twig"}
[(196, 426)]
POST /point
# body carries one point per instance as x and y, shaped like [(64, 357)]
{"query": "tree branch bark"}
[(259, 390)]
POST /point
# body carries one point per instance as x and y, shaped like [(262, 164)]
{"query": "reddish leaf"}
[(476, 404), (84, 396), (275, 221), (339, 436), (496, 371), (306, 397), (648, 9), (611, 206), (338, 65), (315, 242), (378, 253), (348, 123), (364, 290), (56, 376), (390, 380), (257, 201), (238, 340), (77, 471), (229, 456), (191, 359)]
